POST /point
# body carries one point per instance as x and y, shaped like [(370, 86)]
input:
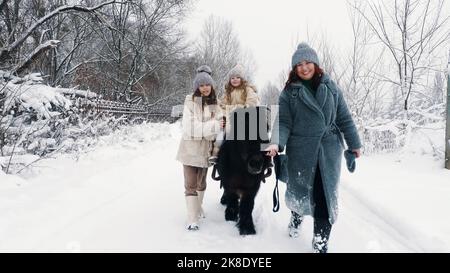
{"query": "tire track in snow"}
[(378, 219)]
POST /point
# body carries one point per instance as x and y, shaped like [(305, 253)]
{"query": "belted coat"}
[(311, 129)]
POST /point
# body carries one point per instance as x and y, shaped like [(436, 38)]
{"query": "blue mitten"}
[(350, 159)]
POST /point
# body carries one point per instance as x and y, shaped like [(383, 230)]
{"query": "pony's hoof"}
[(247, 231)]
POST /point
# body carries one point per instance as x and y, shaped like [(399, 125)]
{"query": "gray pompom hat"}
[(203, 77), (304, 53)]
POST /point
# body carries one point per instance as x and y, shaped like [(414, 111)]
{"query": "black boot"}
[(322, 226), (322, 230), (294, 224)]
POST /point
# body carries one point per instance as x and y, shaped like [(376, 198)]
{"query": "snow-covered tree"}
[(24, 39), (219, 47), (407, 38), (412, 32)]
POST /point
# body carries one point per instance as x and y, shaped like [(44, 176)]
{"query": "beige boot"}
[(192, 205), (201, 213)]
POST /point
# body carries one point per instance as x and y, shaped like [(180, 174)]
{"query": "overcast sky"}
[(270, 28)]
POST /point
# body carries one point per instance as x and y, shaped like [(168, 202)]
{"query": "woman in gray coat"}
[(312, 118)]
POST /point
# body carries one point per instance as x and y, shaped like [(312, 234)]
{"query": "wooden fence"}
[(133, 110), (120, 108)]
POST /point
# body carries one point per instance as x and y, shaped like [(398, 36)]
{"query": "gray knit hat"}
[(203, 77), (237, 71), (304, 53)]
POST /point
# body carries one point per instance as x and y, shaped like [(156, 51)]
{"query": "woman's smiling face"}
[(305, 70), (205, 89)]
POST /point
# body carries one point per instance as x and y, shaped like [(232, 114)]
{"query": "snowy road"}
[(127, 196)]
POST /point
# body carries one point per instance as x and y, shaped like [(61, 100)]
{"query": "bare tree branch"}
[(35, 54), (4, 53)]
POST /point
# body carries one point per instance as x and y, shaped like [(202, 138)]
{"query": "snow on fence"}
[(120, 108), (129, 109)]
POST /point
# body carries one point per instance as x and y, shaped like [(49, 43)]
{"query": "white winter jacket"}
[(200, 127)]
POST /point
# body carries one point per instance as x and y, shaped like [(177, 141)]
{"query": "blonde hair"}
[(230, 88)]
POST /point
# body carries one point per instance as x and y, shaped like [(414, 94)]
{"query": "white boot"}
[(192, 206), (200, 195)]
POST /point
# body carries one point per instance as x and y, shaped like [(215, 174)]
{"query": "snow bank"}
[(10, 182)]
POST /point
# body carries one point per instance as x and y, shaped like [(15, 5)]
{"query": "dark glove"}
[(350, 158)]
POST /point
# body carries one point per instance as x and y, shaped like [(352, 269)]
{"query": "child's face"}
[(305, 70), (235, 81), (205, 90)]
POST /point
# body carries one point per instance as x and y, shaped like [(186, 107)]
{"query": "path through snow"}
[(127, 196)]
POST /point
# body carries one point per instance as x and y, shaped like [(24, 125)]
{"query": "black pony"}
[(243, 165)]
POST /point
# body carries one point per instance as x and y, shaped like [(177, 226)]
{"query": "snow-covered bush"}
[(39, 120), (378, 138), (402, 131), (33, 78), (39, 101)]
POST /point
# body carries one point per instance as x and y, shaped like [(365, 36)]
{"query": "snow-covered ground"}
[(126, 195)]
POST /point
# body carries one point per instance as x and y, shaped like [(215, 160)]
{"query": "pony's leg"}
[(232, 203), (245, 224)]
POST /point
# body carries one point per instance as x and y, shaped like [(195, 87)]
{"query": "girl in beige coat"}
[(238, 94), (201, 123)]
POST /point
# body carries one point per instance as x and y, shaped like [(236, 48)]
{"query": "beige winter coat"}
[(200, 127), (238, 100)]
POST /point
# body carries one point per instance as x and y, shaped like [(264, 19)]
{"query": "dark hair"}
[(316, 79), (209, 100)]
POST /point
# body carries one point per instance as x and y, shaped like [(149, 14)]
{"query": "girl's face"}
[(235, 81), (205, 90), (305, 70)]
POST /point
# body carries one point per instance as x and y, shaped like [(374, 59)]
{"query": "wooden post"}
[(447, 131)]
